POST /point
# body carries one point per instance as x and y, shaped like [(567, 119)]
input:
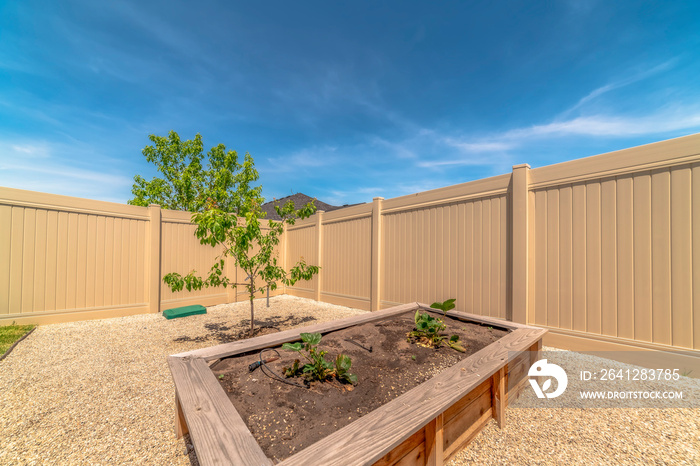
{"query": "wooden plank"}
[(375, 434), (180, 423), (681, 259), (457, 408), (463, 429), (498, 398), (493, 321), (434, 442), (661, 257), (625, 259), (275, 339), (218, 432), (608, 245), (414, 457), (407, 447)]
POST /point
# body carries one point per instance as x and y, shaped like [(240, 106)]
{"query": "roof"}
[(299, 200)]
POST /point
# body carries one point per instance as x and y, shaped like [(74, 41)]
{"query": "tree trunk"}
[(252, 316), (268, 295)]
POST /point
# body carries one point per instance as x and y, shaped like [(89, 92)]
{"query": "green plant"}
[(342, 368), (9, 334), (221, 376), (413, 357), (227, 212), (427, 328), (445, 305), (318, 368)]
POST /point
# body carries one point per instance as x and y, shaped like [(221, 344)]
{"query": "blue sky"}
[(343, 101)]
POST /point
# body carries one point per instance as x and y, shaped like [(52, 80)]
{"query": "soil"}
[(285, 418)]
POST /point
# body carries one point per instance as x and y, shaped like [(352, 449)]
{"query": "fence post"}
[(154, 259), (319, 252), (376, 253), (519, 245)]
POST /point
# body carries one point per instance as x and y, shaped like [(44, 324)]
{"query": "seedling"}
[(221, 376), (317, 367), (413, 357), (444, 306), (428, 328)]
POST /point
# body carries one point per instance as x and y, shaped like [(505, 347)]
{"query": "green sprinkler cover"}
[(184, 311)]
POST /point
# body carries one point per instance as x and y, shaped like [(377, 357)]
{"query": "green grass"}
[(10, 334)]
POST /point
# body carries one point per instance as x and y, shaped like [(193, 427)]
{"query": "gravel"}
[(100, 392)]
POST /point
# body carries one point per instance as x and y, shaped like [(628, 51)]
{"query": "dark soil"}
[(285, 419)]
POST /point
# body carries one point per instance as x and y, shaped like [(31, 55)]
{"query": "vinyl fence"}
[(603, 251)]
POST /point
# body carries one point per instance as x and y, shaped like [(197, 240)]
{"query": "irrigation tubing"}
[(272, 374)]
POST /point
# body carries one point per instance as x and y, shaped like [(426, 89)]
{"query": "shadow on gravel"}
[(222, 333)]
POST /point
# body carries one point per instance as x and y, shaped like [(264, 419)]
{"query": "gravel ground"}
[(100, 392)]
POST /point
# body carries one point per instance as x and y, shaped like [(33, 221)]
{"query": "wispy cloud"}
[(640, 76)]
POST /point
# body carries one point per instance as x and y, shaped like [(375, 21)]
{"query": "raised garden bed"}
[(400, 422)]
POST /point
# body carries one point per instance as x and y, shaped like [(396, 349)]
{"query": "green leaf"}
[(292, 346), (311, 338)]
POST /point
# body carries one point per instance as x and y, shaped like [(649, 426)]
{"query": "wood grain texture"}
[(408, 446), (498, 397), (217, 431), (434, 442)]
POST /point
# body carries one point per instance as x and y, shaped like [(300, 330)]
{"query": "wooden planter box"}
[(426, 425)]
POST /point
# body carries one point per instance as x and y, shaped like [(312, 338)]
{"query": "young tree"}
[(227, 211), (250, 246), (186, 184)]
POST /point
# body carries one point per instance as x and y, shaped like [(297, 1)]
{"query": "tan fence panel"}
[(346, 253), (457, 250), (181, 252), (61, 256), (613, 256), (302, 242)]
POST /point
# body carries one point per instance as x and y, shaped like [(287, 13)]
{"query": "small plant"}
[(342, 368), (413, 357), (428, 328), (444, 306), (221, 376), (317, 367)]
